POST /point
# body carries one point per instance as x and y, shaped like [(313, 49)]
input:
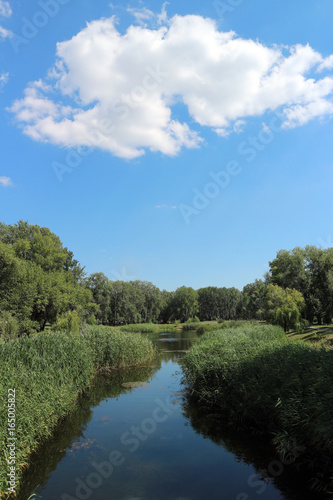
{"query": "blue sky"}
[(195, 104)]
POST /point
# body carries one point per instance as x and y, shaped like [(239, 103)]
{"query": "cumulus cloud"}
[(5, 181), (117, 91), (5, 9)]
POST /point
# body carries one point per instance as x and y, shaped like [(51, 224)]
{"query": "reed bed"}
[(261, 381), (48, 373), (147, 328)]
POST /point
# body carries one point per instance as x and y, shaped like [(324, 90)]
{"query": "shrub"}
[(207, 328), (69, 323), (9, 326)]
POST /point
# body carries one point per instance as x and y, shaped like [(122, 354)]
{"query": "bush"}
[(9, 326), (207, 328), (303, 325), (68, 322), (113, 348)]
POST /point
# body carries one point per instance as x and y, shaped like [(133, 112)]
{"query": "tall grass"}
[(113, 348), (48, 373), (147, 328), (221, 325), (260, 380)]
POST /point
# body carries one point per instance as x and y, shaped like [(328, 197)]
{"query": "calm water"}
[(145, 442)]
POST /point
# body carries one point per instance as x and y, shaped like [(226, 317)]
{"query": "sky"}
[(182, 143)]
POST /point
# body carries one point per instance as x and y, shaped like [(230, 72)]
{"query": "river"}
[(132, 436)]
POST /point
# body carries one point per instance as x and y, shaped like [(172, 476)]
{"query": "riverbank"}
[(47, 373), (262, 381)]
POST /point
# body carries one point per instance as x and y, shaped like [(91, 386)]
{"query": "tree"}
[(100, 287), (126, 303), (310, 271), (253, 299), (184, 304), (208, 303), (283, 307), (39, 278), (152, 300)]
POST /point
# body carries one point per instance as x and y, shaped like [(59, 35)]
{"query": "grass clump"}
[(114, 348), (48, 372), (262, 381)]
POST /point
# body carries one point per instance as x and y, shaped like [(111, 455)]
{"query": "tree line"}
[(42, 286)]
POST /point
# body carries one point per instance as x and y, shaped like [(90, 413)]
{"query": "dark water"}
[(146, 442)]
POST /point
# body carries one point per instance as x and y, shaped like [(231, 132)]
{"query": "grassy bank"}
[(48, 372), (262, 381)]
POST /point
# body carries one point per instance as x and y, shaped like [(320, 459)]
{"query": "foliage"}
[(48, 372), (113, 348), (68, 323), (9, 326), (283, 307), (39, 278), (310, 271), (146, 328), (219, 303), (121, 302), (253, 299), (183, 304), (259, 380)]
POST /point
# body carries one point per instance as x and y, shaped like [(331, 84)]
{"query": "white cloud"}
[(4, 77), (5, 9), (116, 91), (5, 181), (4, 33), (326, 63), (145, 17), (142, 15)]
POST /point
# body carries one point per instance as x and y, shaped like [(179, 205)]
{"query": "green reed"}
[(48, 373), (260, 380)]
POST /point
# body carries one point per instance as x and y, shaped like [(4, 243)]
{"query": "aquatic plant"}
[(48, 372), (259, 380)]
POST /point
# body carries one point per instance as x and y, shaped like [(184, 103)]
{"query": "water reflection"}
[(71, 430), (270, 468), (188, 455)]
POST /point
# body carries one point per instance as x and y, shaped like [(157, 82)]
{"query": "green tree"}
[(152, 300), (283, 307), (184, 304), (310, 271), (39, 279), (253, 299), (208, 303), (100, 287)]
